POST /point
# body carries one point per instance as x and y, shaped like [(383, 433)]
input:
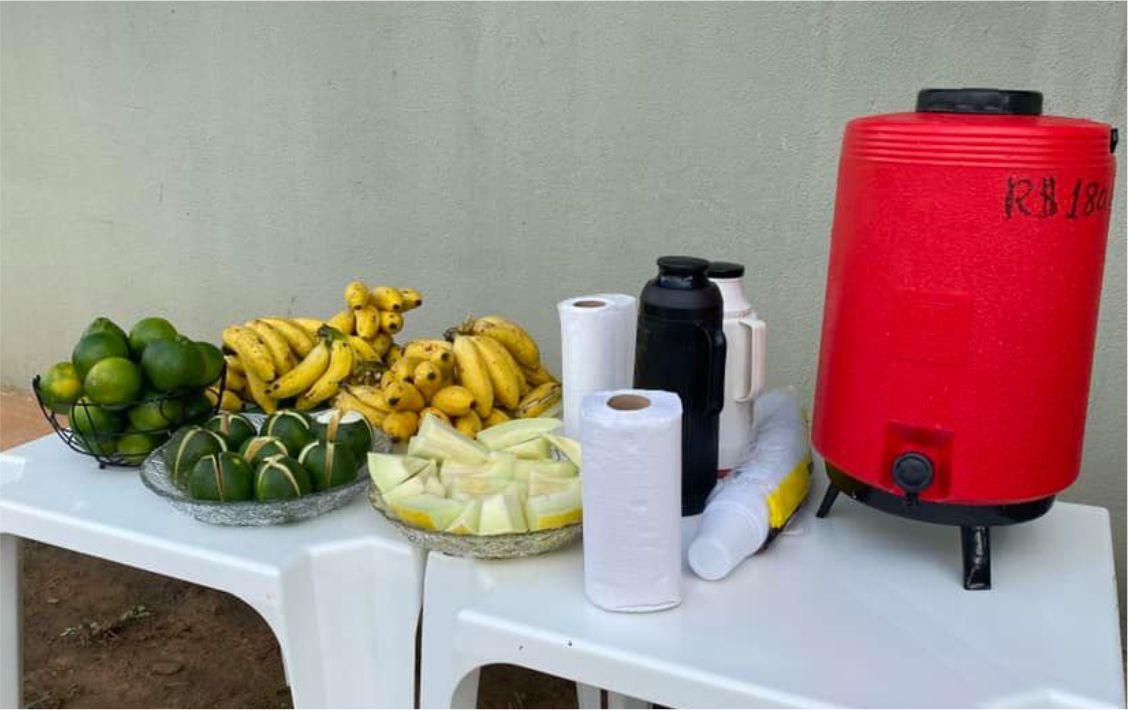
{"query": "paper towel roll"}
[(631, 443), (597, 337)]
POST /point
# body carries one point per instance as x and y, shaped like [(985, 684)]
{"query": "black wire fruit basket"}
[(106, 426)]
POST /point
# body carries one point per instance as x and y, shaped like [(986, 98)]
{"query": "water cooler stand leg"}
[(975, 542), (828, 500)]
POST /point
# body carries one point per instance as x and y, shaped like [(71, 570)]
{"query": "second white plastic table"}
[(860, 609)]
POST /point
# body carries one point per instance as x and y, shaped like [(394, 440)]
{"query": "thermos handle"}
[(757, 346), (715, 392)]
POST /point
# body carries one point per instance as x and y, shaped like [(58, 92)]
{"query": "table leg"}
[(10, 659), (618, 701), (349, 616), (588, 697)]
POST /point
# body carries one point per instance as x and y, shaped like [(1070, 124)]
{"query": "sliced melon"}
[(468, 487), (555, 510), (566, 446), (502, 464), (450, 470), (429, 477), (536, 449), (524, 469), (517, 431), (441, 441), (467, 522), (429, 512), (542, 485), (502, 513), (390, 470), (408, 489)]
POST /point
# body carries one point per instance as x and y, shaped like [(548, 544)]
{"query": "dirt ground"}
[(97, 634)]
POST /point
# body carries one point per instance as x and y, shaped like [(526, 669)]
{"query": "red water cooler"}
[(961, 309)]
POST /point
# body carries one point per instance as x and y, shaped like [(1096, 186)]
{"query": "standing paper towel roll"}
[(631, 442), (597, 337)]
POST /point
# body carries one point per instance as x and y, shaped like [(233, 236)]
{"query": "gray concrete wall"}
[(217, 161)]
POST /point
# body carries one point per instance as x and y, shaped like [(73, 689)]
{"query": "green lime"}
[(224, 476), (105, 325), (146, 331), (237, 428), (213, 363), (134, 446), (259, 448), (94, 347), (328, 465), (172, 364), (292, 427), (97, 427), (197, 408), (188, 446), (280, 478), (61, 387), (156, 412), (113, 382)]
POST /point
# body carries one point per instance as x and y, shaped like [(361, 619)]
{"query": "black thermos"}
[(681, 349)]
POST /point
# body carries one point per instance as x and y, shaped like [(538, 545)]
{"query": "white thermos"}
[(744, 363)]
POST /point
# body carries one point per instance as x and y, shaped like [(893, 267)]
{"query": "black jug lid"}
[(682, 266), (993, 101), (725, 270)]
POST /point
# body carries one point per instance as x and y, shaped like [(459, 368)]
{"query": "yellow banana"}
[(301, 341), (390, 322), (394, 353), (362, 349), (256, 387), (404, 395), (400, 426), (454, 400), (304, 374), (233, 380), (356, 294), (411, 298), (496, 417), (230, 401), (473, 375), (434, 411), (344, 322), (504, 375), (469, 424), (233, 363), (311, 325), (427, 378), (340, 366), (515, 339), (277, 346), (438, 350), (538, 401), (367, 321), (245, 343), (349, 403), (387, 298), (381, 343), (539, 375), (370, 396), (402, 371)]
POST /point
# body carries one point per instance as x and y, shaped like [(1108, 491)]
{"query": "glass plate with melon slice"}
[(513, 491)]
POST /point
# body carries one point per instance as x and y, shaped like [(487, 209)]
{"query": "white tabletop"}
[(859, 609), (52, 494)]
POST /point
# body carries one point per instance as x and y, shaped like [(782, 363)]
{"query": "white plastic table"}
[(859, 609), (342, 592)]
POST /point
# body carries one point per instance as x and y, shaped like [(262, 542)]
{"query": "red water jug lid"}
[(995, 101)]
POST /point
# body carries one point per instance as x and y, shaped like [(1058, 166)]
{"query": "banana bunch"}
[(486, 372), (306, 359)]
